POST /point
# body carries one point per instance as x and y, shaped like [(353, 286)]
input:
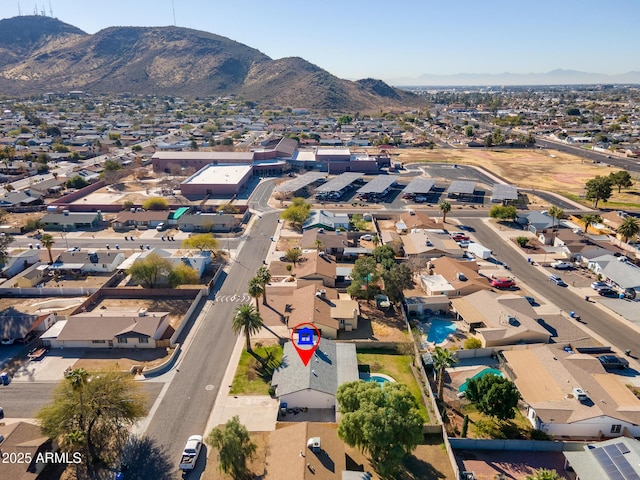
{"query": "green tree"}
[(264, 276), (365, 275), (590, 219), (155, 203), (468, 131), (599, 188), (255, 290), (136, 148), (385, 256), (297, 213), (47, 242), (91, 413), (112, 166), (556, 213), (445, 207), (503, 213), (396, 280), (194, 145), (382, 422), (246, 319), (150, 270), (183, 274), (77, 182), (493, 395), (234, 448), (472, 343), (202, 242), (629, 228), (443, 358), (522, 241), (544, 474), (344, 119), (293, 255), (621, 179)]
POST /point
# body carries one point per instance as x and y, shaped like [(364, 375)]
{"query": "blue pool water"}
[(482, 373), (375, 378), (440, 330)]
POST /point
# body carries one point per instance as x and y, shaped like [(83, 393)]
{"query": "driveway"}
[(257, 412), (49, 368)]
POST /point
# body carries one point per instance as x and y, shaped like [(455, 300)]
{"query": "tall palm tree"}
[(47, 242), (245, 318), (318, 245), (556, 213), (590, 219), (255, 290), (629, 228), (265, 277), (78, 378), (442, 359), (445, 207)]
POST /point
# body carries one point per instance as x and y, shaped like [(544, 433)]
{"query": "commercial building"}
[(217, 180)]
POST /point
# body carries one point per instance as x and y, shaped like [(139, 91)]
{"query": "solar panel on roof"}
[(614, 463), (623, 448)]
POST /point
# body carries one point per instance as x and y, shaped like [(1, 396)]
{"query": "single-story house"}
[(327, 220), (88, 262), (16, 199), (618, 271), (196, 260), (536, 221), (71, 221), (146, 219), (421, 243), (308, 451), (313, 267), (209, 222), (571, 395), (20, 326), (315, 385), (500, 319), (453, 278), (616, 458), (23, 440), (333, 243), (426, 305), (419, 220), (19, 260), (124, 329)]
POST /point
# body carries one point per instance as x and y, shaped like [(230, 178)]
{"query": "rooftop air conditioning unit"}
[(314, 444)]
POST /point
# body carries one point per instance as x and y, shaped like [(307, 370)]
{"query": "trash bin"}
[(4, 378), (572, 314)]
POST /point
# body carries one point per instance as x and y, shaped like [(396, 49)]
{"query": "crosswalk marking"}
[(236, 298)]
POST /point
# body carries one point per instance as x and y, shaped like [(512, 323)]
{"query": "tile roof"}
[(96, 326)]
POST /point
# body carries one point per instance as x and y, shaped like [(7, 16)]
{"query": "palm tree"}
[(245, 318), (255, 290), (629, 228), (544, 474), (78, 378), (442, 359), (590, 219), (445, 207), (556, 213), (265, 277), (376, 240), (47, 242), (318, 245)]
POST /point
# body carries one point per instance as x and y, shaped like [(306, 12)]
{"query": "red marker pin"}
[(305, 338)]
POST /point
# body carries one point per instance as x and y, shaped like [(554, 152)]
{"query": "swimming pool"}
[(482, 373), (440, 330), (377, 377)]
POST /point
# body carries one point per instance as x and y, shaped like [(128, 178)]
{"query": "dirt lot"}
[(541, 169), (388, 325), (122, 359)]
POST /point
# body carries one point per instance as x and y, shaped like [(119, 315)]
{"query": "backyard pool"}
[(377, 377), (440, 330), (482, 373)]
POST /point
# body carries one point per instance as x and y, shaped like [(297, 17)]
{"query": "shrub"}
[(155, 203), (472, 343), (522, 241), (465, 426)]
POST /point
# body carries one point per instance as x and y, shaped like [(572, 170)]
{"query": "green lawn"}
[(398, 367), (482, 426), (255, 370)]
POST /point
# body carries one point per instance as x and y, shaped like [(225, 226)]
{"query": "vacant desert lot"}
[(527, 168)]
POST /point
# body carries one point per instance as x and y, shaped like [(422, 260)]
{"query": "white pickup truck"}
[(191, 452)]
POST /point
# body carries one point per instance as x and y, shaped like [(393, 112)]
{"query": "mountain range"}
[(41, 54), (554, 77)]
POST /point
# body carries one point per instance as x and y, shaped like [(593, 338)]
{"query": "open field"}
[(538, 169)]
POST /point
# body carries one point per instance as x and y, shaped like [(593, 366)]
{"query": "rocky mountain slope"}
[(41, 54)]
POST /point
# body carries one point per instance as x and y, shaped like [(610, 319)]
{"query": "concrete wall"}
[(308, 398), (514, 445), (192, 309)]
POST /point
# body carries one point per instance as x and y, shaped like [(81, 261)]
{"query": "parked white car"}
[(562, 265)]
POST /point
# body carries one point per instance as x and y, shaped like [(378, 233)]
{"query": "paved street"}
[(189, 400), (599, 321)]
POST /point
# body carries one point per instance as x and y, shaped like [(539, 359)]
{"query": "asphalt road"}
[(607, 326), (188, 402), (628, 164)]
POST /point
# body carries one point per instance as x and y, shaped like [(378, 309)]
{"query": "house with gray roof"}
[(536, 221), (71, 221), (327, 220), (612, 459), (314, 385)]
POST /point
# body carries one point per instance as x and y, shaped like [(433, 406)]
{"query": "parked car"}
[(503, 283), (613, 361), (459, 236), (366, 237), (557, 280), (562, 265), (599, 285), (191, 452), (608, 292), (531, 300)]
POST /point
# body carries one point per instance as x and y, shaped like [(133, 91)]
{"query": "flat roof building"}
[(217, 180)]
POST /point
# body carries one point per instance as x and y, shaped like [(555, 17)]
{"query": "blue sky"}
[(392, 39)]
